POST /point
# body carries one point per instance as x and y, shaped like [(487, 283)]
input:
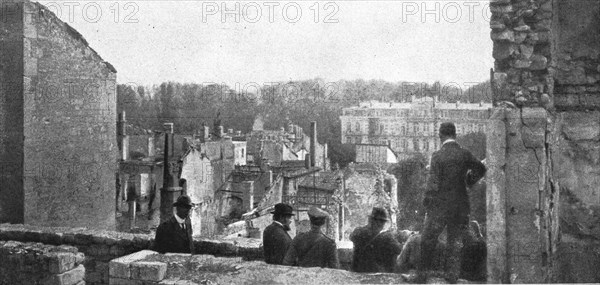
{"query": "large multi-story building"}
[(410, 127)]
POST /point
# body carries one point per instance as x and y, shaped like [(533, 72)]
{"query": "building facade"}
[(409, 127)]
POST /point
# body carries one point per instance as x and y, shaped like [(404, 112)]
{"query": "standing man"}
[(276, 240), (175, 234), (313, 248), (374, 250), (446, 201)]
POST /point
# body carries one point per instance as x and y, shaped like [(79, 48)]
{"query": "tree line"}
[(190, 106)]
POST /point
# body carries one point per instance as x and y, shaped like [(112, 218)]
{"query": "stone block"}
[(60, 262), (581, 126), (148, 270), (70, 277), (521, 63), (526, 50), (29, 29), (505, 35), (538, 62), (30, 67), (121, 267), (503, 50)]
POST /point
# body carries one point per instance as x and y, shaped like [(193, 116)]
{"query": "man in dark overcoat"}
[(446, 201), (313, 248), (276, 240), (375, 250), (175, 234)]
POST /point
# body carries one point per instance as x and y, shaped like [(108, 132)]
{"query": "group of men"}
[(309, 249), (452, 169)]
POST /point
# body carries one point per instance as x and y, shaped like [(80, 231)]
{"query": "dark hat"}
[(317, 213), (379, 214), (448, 129), (283, 209), (183, 201)]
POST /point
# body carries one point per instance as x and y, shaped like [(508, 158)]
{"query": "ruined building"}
[(57, 123)]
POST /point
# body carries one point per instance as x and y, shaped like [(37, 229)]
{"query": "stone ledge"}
[(119, 243)]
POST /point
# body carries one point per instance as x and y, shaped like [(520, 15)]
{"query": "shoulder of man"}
[(327, 239)]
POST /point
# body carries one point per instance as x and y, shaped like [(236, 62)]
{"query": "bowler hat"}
[(317, 213), (379, 214), (183, 201), (283, 209)]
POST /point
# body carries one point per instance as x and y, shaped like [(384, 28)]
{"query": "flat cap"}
[(315, 212)]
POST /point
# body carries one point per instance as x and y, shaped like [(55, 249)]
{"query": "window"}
[(402, 130), (357, 126), (242, 153), (381, 129), (348, 139), (415, 145), (348, 127), (426, 146)]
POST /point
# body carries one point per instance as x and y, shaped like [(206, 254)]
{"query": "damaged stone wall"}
[(62, 123), (37, 263), (363, 191), (577, 93), (544, 145)]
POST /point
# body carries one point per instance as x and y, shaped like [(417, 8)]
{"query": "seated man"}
[(410, 256), (313, 248), (175, 234), (374, 250)]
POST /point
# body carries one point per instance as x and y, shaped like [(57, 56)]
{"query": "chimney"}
[(270, 174), (325, 166), (123, 135), (313, 143), (205, 133), (221, 131), (230, 131), (290, 128), (307, 161), (238, 133), (151, 147)]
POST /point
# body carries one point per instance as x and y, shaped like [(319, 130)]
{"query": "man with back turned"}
[(452, 169)]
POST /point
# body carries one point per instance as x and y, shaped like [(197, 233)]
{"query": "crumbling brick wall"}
[(37, 263)]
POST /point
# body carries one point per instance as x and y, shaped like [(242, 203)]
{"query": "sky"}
[(234, 42)]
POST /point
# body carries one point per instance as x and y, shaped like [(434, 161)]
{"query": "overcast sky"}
[(149, 42)]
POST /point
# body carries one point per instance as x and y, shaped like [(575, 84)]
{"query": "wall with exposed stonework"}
[(61, 124), (546, 82), (577, 93), (100, 247), (36, 263)]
